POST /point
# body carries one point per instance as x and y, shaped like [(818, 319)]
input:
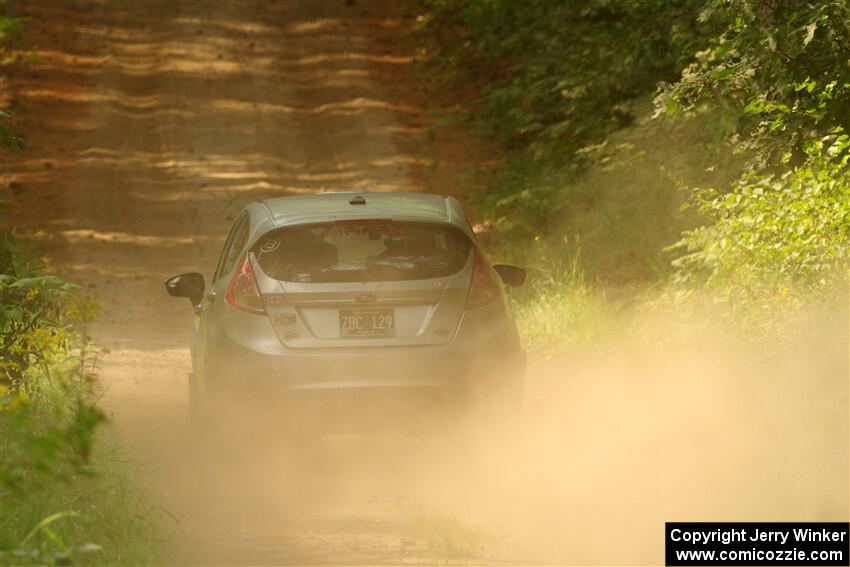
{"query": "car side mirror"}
[(511, 275), (189, 285)]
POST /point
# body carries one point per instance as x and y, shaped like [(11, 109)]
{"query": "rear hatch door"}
[(358, 283)]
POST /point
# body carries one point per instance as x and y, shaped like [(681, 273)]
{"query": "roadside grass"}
[(569, 315), (565, 317), (67, 495), (558, 309), (446, 539), (99, 515)]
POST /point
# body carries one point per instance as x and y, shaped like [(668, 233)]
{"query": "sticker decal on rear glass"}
[(270, 245)]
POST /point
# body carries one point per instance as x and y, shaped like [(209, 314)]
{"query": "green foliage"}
[(522, 195), (781, 235), (31, 330), (558, 81), (785, 62), (48, 425), (775, 239), (557, 75), (553, 79), (94, 516), (623, 207), (11, 29), (7, 137)]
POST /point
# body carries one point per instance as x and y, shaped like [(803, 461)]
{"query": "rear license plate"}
[(367, 323)]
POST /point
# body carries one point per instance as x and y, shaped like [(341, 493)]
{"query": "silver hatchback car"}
[(339, 301)]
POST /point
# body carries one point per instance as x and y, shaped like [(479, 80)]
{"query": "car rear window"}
[(362, 251)]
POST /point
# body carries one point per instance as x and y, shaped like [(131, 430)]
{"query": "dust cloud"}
[(659, 425)]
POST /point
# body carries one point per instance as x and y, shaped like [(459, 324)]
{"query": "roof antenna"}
[(358, 200)]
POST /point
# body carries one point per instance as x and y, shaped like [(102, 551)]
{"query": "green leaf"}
[(810, 33), (44, 523)]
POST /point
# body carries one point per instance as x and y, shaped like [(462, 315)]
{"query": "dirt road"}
[(151, 123)]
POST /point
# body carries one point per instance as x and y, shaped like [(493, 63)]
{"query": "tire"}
[(209, 416)]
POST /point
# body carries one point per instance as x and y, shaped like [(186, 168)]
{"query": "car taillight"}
[(483, 288), (242, 291)]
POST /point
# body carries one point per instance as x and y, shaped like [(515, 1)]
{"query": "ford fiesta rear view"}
[(339, 300)]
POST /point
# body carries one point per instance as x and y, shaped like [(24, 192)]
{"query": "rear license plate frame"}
[(366, 323)]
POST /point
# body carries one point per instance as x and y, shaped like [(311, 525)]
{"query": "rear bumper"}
[(483, 361), (410, 389), (429, 369)]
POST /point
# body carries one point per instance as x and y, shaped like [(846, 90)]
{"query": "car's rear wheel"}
[(211, 413)]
